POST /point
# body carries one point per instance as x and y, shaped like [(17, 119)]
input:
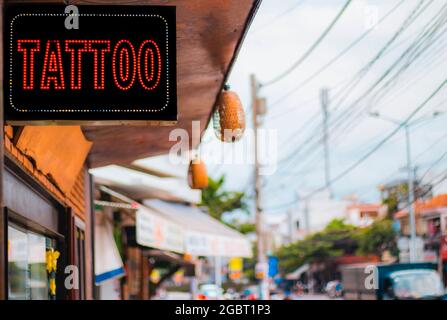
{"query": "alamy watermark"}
[(71, 281), (238, 153), (372, 278), (72, 20)]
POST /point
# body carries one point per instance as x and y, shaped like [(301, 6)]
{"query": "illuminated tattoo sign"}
[(119, 66)]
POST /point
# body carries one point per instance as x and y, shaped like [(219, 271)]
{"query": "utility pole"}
[(306, 217), (324, 98), (411, 196), (218, 271), (291, 225), (411, 177), (262, 259), (410, 181)]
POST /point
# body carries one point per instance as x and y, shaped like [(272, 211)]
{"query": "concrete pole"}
[(411, 178), (324, 97), (411, 197), (291, 225), (218, 271), (262, 259), (306, 217)]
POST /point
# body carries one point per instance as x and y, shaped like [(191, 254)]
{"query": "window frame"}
[(26, 226)]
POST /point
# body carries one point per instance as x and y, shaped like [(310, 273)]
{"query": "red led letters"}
[(28, 48), (129, 64)]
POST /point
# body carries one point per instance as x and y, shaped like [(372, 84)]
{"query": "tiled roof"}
[(436, 202)]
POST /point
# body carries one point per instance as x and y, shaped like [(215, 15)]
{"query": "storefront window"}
[(37, 267), (17, 264), (27, 275)]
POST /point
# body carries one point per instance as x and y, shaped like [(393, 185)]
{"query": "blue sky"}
[(281, 32)]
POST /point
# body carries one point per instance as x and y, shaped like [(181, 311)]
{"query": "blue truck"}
[(401, 281)]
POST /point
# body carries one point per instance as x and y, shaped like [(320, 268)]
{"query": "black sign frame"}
[(132, 81)]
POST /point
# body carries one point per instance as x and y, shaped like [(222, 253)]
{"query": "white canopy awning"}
[(202, 234), (184, 229)]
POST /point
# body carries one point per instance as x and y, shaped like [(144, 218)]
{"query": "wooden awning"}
[(209, 35)]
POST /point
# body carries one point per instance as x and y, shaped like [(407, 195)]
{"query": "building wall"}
[(421, 227), (77, 199)]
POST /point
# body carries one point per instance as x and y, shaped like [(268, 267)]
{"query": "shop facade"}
[(153, 240), (47, 231), (47, 220)]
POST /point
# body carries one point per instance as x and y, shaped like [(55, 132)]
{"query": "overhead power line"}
[(374, 149), (337, 122), (434, 164), (360, 74), (337, 57), (389, 136), (311, 49), (431, 146)]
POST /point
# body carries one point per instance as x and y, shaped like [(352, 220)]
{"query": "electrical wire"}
[(311, 49), (366, 93), (378, 146), (413, 15), (375, 148), (434, 164), (336, 57)]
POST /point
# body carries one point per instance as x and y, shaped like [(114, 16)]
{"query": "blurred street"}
[(323, 172), (313, 297), (229, 150), (172, 295)]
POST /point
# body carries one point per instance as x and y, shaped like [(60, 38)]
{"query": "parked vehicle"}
[(250, 293), (392, 281), (334, 289), (231, 294)]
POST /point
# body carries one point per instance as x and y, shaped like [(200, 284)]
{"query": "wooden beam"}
[(151, 172), (144, 277)]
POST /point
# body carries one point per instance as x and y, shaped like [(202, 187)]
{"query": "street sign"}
[(118, 66), (235, 266), (273, 266)]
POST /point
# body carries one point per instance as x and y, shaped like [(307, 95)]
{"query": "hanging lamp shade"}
[(197, 175), (229, 117)]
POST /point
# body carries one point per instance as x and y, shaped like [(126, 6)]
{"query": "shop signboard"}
[(157, 232), (235, 267), (235, 264), (207, 244), (273, 266), (102, 64)]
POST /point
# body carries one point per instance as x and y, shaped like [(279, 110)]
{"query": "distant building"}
[(363, 214), (313, 214), (398, 189), (431, 226), (431, 217)]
